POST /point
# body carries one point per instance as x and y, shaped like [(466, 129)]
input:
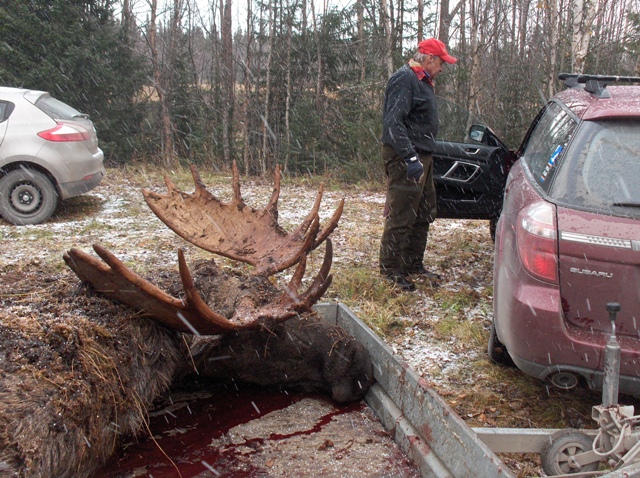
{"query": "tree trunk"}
[(287, 112), (247, 91), (554, 20), (420, 20), (362, 56), (474, 77), (165, 118), (386, 21), (319, 71), (228, 80), (583, 16), (445, 21), (267, 98)]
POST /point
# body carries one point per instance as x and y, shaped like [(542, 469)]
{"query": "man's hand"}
[(415, 170)]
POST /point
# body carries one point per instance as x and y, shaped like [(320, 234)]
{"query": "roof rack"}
[(595, 84)]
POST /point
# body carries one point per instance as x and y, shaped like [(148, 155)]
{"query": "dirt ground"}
[(430, 329)]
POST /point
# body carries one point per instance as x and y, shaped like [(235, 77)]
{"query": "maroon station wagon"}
[(568, 238)]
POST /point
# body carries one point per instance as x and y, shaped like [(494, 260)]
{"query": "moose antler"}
[(237, 231), (192, 315)]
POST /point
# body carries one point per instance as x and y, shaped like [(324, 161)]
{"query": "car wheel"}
[(556, 457), (27, 196), (493, 224), (496, 350)]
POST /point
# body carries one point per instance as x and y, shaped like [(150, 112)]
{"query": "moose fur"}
[(78, 371)]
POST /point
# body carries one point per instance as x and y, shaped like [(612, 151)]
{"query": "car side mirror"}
[(478, 134)]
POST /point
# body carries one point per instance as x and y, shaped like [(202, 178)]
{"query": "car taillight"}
[(537, 241), (65, 132)]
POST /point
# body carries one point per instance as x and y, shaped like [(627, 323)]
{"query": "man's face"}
[(433, 65)]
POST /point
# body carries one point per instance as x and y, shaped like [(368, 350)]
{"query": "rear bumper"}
[(76, 188), (594, 378), (530, 323)]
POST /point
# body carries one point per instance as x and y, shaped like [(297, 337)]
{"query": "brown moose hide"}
[(80, 365), (78, 371)]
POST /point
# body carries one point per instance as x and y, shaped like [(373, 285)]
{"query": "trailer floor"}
[(253, 432)]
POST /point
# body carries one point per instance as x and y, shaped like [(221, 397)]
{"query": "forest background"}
[(298, 82)]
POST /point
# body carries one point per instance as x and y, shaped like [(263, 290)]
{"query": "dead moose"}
[(84, 370)]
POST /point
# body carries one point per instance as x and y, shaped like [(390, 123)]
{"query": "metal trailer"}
[(425, 427), (438, 441)]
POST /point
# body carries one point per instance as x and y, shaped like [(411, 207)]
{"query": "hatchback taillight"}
[(65, 132), (537, 240)]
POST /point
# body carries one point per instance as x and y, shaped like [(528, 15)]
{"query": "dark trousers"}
[(409, 209)]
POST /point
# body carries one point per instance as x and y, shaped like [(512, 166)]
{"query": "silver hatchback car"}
[(48, 151)]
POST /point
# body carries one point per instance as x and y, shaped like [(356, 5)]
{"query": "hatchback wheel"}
[(493, 225), (27, 197), (496, 350)]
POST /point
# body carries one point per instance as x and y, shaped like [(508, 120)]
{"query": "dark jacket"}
[(410, 116)]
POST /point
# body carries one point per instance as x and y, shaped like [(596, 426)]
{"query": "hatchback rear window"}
[(547, 143), (57, 109), (601, 171), (6, 109)]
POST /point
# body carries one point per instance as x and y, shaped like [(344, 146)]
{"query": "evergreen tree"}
[(78, 52)]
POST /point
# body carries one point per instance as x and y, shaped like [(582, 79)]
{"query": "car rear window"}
[(547, 144), (601, 171), (6, 108), (57, 109)]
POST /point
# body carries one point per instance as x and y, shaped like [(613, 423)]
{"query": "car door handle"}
[(472, 150)]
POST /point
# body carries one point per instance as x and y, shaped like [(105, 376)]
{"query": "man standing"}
[(409, 129)]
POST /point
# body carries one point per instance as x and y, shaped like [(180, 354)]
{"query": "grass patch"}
[(382, 307), (467, 332), (457, 301), (357, 284), (33, 233), (94, 226)]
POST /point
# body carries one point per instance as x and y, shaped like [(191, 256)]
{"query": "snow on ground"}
[(116, 216)]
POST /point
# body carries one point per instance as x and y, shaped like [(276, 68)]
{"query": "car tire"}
[(27, 196), (564, 445), (493, 225), (496, 350)]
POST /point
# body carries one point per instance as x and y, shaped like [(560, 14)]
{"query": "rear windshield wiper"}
[(626, 204), (81, 115)]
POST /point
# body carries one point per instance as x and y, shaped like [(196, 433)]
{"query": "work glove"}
[(415, 170)]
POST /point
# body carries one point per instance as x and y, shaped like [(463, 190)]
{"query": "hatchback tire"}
[(493, 226), (496, 350), (27, 196)]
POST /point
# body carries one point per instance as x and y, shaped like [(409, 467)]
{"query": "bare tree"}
[(583, 16), (289, 86), (228, 80), (266, 130), (420, 31), (247, 89), (386, 21), (159, 85)]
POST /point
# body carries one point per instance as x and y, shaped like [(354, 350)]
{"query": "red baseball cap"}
[(433, 46)]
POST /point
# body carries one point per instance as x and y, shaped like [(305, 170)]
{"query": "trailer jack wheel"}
[(557, 457)]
